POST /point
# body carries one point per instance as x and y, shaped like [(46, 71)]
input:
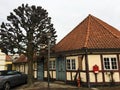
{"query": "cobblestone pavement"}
[(39, 85), (42, 85)]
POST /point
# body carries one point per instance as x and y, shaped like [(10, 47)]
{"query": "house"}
[(20, 63), (5, 61), (90, 52)]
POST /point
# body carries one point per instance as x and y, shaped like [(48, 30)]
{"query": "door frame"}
[(57, 68), (40, 61)]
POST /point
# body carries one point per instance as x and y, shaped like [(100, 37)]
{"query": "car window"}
[(10, 73), (2, 73), (16, 72)]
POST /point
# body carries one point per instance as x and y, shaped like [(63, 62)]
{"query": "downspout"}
[(87, 67)]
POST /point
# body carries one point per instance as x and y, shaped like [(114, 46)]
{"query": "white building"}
[(5, 61)]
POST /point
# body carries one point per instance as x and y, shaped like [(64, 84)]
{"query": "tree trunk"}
[(30, 53), (30, 70), (30, 64)]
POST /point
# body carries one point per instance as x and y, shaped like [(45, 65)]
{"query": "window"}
[(110, 63), (52, 64), (35, 66), (70, 64)]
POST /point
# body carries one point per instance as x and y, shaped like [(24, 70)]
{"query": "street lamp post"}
[(49, 36)]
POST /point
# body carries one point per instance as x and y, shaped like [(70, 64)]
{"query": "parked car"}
[(11, 78)]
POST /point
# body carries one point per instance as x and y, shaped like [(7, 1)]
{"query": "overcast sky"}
[(67, 14)]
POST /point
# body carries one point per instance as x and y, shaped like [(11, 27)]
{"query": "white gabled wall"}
[(96, 59), (2, 61)]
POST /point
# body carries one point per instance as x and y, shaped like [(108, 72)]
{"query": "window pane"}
[(106, 63), (73, 64), (50, 64), (68, 64), (53, 64), (114, 63)]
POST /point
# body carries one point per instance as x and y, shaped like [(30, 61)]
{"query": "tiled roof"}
[(23, 59), (91, 33), (8, 58)]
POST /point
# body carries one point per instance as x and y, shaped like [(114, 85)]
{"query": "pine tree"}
[(25, 32)]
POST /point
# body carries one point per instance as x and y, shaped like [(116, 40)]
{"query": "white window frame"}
[(72, 65), (110, 63), (52, 64)]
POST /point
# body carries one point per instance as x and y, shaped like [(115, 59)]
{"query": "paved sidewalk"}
[(42, 85)]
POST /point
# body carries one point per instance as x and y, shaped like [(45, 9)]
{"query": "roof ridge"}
[(99, 21), (71, 31), (88, 31)]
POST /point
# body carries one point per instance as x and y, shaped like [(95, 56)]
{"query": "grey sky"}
[(67, 14)]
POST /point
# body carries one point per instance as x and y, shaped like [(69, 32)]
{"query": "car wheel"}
[(6, 86)]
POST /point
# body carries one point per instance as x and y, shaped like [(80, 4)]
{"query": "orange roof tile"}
[(24, 59), (91, 33), (8, 58)]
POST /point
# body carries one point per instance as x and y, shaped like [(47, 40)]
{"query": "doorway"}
[(40, 69), (60, 69)]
